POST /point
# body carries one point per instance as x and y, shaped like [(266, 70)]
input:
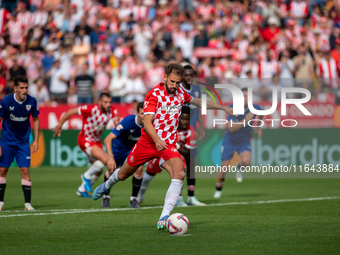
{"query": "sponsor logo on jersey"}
[(28, 157), (132, 130), (11, 108), (146, 104), (130, 137), (119, 127), (13, 118), (132, 158), (171, 108), (28, 107)]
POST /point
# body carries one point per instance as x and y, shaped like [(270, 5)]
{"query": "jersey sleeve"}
[(35, 109), (187, 98), (122, 126), (114, 112), (2, 108), (190, 141), (85, 110), (150, 104)]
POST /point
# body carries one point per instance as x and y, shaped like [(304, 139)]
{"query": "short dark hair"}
[(104, 94), (175, 68), (20, 78), (140, 105), (185, 109), (188, 67)]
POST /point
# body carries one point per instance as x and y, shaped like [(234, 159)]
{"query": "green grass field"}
[(67, 224)]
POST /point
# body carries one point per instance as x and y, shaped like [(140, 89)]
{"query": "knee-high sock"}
[(112, 180), (136, 184), (96, 167), (191, 187), (172, 196), (2, 188), (27, 189), (145, 183)]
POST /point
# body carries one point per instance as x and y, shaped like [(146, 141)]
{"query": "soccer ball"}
[(177, 224)]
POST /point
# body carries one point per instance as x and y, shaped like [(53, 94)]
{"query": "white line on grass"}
[(72, 211)]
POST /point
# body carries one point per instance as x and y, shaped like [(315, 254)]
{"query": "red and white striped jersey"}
[(315, 19), (267, 69), (94, 60), (187, 138), (251, 18), (154, 76), (4, 17), (40, 18), (299, 9), (25, 18), (205, 11), (166, 109), (283, 10), (329, 71), (91, 20), (102, 81), (16, 32), (139, 12), (94, 121)]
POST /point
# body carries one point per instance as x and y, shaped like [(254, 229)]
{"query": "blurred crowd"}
[(72, 50)]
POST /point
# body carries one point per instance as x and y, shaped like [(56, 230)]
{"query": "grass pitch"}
[(67, 224)]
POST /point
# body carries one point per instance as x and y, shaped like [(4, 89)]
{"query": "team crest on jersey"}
[(119, 127), (28, 107), (179, 98), (196, 94)]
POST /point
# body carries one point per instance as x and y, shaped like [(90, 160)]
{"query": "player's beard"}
[(167, 88)]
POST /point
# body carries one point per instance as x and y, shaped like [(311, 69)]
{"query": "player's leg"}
[(119, 174), (100, 162), (220, 179), (23, 158), (3, 174), (175, 168), (6, 160), (136, 184), (245, 155), (152, 168), (191, 181)]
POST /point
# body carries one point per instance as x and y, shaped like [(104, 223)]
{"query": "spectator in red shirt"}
[(269, 32), (335, 53)]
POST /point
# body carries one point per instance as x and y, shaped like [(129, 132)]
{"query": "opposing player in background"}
[(118, 146), (95, 119), (185, 144), (15, 111), (194, 91), (162, 108), (237, 138)]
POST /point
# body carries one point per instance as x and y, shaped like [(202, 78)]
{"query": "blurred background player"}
[(162, 108), (118, 146), (237, 138), (15, 111), (194, 91), (185, 144), (95, 119)]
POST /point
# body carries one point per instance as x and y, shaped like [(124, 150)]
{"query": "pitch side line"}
[(72, 211)]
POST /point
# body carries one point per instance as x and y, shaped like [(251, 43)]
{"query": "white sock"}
[(112, 180), (171, 196), (145, 183), (82, 187), (94, 178), (96, 167)]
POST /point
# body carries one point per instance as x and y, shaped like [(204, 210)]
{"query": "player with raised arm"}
[(95, 119), (196, 116), (162, 108), (237, 138), (15, 112), (118, 146), (185, 144)]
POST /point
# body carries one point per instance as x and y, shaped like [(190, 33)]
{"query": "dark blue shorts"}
[(120, 156), (228, 148), (21, 153)]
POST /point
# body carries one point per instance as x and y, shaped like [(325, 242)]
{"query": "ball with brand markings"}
[(177, 224)]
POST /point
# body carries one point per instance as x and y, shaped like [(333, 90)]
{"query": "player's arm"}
[(150, 130), (234, 125), (111, 163), (36, 127), (200, 122), (67, 115), (210, 105)]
